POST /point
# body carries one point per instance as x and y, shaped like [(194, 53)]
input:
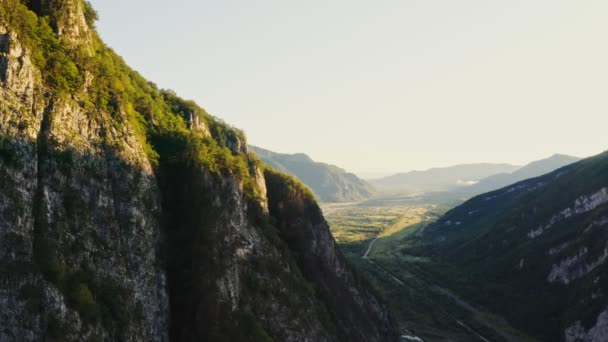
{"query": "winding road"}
[(369, 248), (371, 244)]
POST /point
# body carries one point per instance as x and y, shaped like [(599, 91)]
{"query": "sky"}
[(383, 85)]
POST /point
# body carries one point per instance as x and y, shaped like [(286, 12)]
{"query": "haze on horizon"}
[(386, 86)]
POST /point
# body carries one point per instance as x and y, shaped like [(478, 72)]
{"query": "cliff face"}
[(80, 208), (127, 213), (357, 314)]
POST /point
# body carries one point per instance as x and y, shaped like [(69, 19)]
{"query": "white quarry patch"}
[(535, 232), (587, 203), (598, 333), (489, 198), (560, 272), (517, 187), (449, 223), (526, 187), (574, 267), (581, 205), (559, 249), (564, 214), (597, 223), (408, 336)]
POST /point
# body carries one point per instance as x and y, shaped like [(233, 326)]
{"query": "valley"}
[(525, 262), (371, 235)]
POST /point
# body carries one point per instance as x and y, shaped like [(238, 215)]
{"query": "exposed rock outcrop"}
[(597, 333), (302, 226)]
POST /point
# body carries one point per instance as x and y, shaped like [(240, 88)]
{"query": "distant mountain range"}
[(535, 252), (534, 169), (329, 182), (455, 184), (368, 175), (447, 185), (439, 179)]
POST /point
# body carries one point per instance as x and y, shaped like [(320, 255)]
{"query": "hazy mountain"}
[(457, 195), (534, 169), (370, 175), (535, 252), (329, 183), (130, 214), (439, 179)]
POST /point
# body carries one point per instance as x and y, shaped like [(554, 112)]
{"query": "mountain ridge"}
[(530, 170), (440, 178), (329, 182)]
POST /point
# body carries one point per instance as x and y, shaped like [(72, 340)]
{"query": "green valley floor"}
[(373, 236)]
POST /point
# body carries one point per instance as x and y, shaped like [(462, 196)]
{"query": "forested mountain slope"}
[(535, 252)]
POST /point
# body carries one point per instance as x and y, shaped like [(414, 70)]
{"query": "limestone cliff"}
[(127, 213)]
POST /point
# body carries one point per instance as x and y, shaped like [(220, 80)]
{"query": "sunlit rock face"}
[(581, 205), (597, 333), (77, 195)]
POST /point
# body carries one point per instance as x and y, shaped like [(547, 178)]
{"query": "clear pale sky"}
[(384, 85)]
